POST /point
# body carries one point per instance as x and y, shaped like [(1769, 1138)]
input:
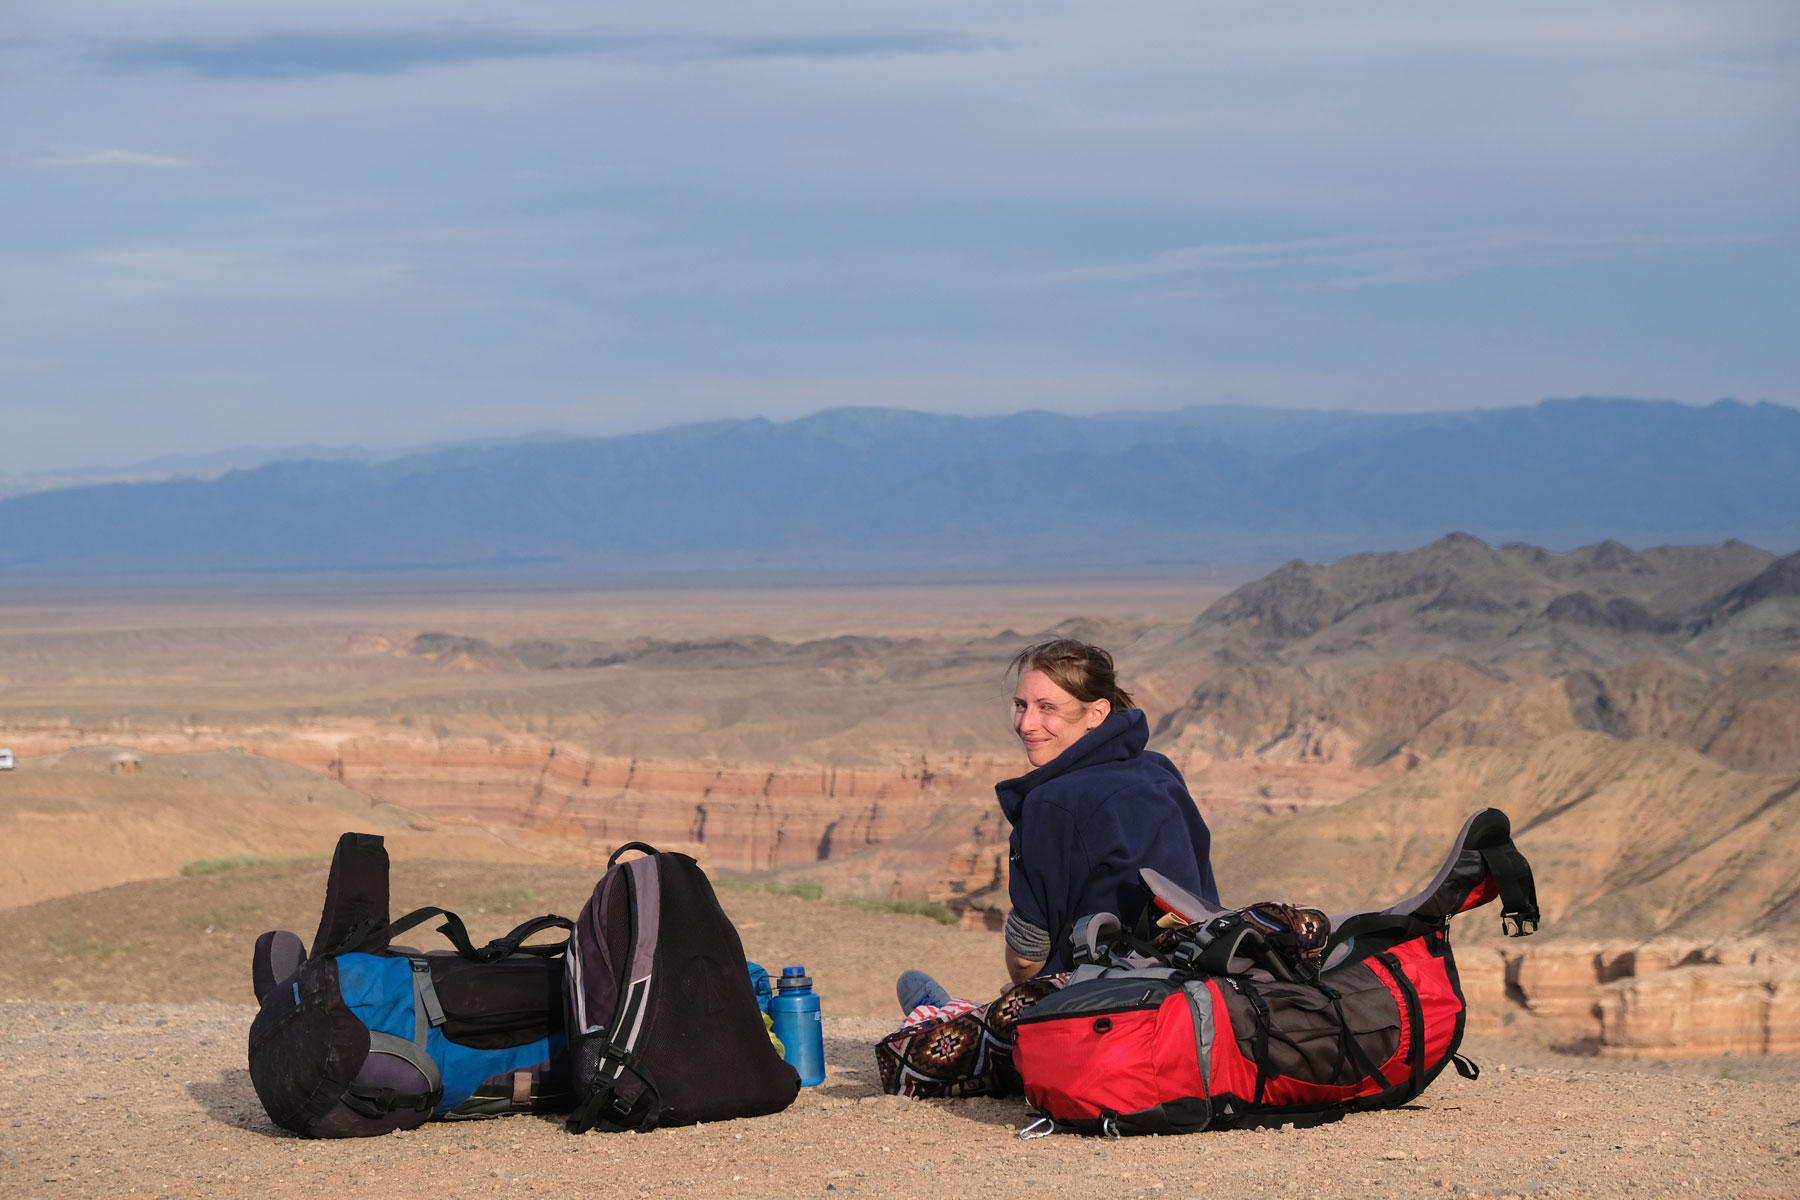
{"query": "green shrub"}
[(805, 890), (218, 866), (82, 948), (906, 908)]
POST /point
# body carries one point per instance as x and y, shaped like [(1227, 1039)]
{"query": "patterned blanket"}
[(960, 1048)]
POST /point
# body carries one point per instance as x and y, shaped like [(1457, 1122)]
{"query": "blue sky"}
[(402, 224)]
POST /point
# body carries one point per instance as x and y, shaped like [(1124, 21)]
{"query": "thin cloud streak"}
[(302, 55), (116, 158), (1369, 260)]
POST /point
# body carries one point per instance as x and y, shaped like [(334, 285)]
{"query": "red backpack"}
[(1207, 1017)]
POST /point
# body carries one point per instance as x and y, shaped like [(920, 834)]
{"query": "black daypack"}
[(361, 1037), (664, 1026)]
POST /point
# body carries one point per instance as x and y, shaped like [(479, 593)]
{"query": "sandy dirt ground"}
[(154, 1100)]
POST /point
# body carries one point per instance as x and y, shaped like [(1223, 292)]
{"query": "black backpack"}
[(663, 1023), (361, 1037)]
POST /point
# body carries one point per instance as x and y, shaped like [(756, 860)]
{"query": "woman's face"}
[(1049, 720)]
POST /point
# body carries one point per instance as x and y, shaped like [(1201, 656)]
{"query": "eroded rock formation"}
[(1668, 998), (731, 816), (1698, 1011)]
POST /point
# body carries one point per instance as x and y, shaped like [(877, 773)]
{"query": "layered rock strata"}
[(1668, 998), (1695, 1012), (731, 816)]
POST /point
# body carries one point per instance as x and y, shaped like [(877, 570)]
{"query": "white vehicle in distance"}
[(6, 760)]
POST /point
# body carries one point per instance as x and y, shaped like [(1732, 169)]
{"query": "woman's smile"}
[(1048, 719)]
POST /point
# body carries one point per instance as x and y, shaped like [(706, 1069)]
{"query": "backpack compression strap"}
[(605, 1109), (374, 1102)]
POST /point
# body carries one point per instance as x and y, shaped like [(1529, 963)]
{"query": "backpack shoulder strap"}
[(453, 928)]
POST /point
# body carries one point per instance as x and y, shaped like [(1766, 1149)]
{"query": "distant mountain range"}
[(170, 466), (885, 489)]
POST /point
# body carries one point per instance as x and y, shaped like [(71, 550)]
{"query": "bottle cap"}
[(793, 970), (793, 979)]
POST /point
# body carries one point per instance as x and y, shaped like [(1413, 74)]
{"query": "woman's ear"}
[(1098, 711)]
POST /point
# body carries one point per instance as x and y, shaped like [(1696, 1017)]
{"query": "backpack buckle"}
[(1514, 924), (1185, 956)]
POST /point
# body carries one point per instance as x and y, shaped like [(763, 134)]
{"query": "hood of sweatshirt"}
[(1123, 735)]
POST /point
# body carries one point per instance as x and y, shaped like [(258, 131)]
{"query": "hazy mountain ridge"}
[(883, 488), (1504, 592), (1403, 658)]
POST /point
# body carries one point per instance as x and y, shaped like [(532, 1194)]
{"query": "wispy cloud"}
[(300, 54), (115, 158), (1368, 260), (263, 274)]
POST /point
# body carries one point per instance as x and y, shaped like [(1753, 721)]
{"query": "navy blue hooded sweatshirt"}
[(1085, 822)]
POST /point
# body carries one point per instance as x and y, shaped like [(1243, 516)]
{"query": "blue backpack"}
[(361, 1037)]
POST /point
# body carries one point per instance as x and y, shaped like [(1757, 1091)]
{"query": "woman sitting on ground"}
[(1096, 808)]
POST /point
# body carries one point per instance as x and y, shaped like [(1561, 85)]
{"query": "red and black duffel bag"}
[(1208, 1016)]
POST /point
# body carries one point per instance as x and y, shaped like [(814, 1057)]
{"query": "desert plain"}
[(188, 753)]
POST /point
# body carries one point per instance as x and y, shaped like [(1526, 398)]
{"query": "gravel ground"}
[(153, 1099)]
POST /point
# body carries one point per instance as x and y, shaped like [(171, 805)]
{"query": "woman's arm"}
[(1027, 947), (1048, 862), (1021, 968)]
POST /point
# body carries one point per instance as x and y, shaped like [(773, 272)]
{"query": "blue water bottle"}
[(795, 1008)]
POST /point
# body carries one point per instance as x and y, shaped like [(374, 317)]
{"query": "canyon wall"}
[(1660, 999), (931, 830), (577, 806)]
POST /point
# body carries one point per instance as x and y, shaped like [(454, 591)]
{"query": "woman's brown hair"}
[(1084, 671)]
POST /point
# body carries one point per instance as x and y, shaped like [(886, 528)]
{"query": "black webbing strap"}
[(1347, 1040), (453, 928), (1223, 937), (605, 1109), (1466, 1067), (513, 943), (355, 935), (368, 940), (1259, 1044), (376, 1103), (1518, 890)]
